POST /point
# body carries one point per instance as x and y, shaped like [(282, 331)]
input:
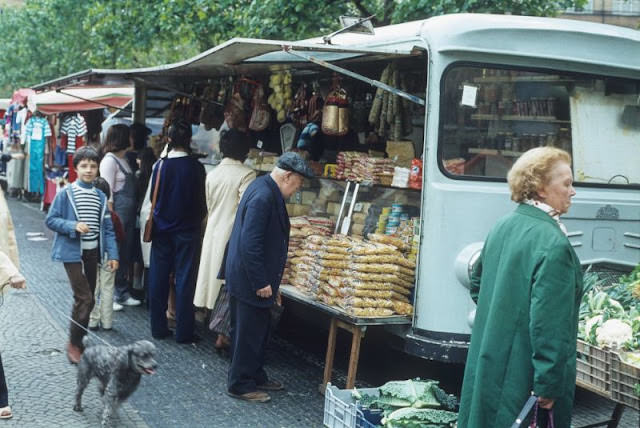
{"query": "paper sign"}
[(469, 94)]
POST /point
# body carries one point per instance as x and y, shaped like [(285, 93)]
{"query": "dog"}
[(118, 369)]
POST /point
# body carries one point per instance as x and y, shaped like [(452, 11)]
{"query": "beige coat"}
[(225, 186), (9, 261)]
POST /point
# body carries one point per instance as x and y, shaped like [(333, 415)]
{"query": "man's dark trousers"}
[(4, 394), (249, 334)]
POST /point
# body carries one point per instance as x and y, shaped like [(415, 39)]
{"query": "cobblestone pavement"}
[(188, 389)]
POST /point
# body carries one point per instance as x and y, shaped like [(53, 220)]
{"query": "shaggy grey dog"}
[(118, 369)]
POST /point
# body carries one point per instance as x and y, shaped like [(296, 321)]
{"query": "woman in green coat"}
[(527, 286)]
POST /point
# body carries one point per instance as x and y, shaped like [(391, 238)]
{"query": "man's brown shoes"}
[(255, 396)]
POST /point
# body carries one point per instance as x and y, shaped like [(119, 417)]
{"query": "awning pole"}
[(167, 88), (357, 76), (93, 101)]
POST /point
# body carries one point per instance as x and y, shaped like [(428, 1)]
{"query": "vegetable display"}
[(412, 403), (610, 315)]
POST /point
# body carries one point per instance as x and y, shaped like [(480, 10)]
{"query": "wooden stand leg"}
[(331, 350), (616, 416), (354, 357)]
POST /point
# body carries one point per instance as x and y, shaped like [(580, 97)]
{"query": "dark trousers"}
[(249, 333), (122, 290), (82, 277), (173, 252), (4, 393)]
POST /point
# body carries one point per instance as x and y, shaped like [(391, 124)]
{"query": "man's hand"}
[(18, 281), (265, 292), (113, 265), (546, 403), (82, 227), (279, 299)]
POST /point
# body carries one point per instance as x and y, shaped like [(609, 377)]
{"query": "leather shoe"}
[(271, 385), (254, 396), (73, 353)]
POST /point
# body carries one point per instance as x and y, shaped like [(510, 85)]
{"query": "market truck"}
[(478, 91)]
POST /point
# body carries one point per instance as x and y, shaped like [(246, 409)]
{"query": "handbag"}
[(148, 226), (532, 402)]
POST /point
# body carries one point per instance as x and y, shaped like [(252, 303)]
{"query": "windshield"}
[(490, 116)]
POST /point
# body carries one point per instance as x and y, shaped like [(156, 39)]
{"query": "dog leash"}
[(90, 333)]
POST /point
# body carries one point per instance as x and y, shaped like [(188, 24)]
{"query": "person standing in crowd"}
[(116, 170), (177, 218), (9, 277), (225, 186), (145, 160), (138, 135), (527, 285), (81, 220), (102, 314), (253, 266)]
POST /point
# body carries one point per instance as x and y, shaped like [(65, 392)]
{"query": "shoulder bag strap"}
[(155, 189)]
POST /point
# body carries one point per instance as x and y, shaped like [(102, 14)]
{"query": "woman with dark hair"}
[(115, 169), (224, 187), (145, 159), (177, 217)]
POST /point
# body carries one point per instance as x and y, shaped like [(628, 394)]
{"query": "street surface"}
[(188, 389)]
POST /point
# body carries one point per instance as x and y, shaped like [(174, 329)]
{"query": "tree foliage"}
[(46, 39)]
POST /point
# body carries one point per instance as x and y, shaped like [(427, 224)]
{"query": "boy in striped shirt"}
[(84, 233)]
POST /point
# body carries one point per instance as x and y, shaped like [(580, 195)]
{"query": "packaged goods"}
[(370, 312), (380, 268), (382, 277), (372, 249), (389, 240), (402, 308)]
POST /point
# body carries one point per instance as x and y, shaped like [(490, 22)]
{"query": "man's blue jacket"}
[(257, 249)]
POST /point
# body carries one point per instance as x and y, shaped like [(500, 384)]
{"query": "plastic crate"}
[(593, 367), (341, 409), (624, 377)]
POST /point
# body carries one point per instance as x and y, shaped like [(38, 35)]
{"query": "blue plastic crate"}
[(342, 411)]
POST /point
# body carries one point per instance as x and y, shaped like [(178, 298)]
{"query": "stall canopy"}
[(81, 99), (236, 56)]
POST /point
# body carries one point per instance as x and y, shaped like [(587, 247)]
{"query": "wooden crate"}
[(593, 368), (624, 377)]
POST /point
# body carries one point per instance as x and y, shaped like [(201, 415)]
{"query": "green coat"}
[(527, 286)]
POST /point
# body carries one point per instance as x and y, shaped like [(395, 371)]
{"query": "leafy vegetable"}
[(410, 417), (416, 393), (447, 401)]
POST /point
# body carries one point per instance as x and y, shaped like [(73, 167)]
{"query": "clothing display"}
[(74, 127), (37, 131)]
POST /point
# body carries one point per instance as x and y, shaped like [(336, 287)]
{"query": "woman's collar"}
[(552, 212)]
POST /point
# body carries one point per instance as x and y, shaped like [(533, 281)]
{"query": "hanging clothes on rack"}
[(37, 131), (73, 130)]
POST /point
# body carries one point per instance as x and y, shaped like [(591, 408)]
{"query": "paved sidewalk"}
[(189, 386), (41, 381)]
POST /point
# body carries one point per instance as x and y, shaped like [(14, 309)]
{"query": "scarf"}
[(549, 210)]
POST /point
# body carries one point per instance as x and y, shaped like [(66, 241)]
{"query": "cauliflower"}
[(613, 333)]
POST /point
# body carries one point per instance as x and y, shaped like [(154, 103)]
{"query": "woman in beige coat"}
[(9, 277), (224, 188)]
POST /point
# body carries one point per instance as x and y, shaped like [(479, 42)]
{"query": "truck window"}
[(490, 116)]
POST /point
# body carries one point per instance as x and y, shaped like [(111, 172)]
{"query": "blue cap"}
[(292, 161)]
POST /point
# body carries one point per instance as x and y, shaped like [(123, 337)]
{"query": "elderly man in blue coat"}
[(255, 259)]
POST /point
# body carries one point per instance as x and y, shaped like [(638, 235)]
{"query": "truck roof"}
[(510, 35)]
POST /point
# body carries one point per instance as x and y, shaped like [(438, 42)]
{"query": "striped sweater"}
[(88, 209)]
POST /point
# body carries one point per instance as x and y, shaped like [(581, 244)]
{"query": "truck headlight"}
[(465, 261)]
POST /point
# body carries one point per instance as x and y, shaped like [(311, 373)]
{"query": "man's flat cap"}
[(292, 161)]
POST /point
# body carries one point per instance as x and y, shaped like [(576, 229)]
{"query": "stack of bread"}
[(363, 278)]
